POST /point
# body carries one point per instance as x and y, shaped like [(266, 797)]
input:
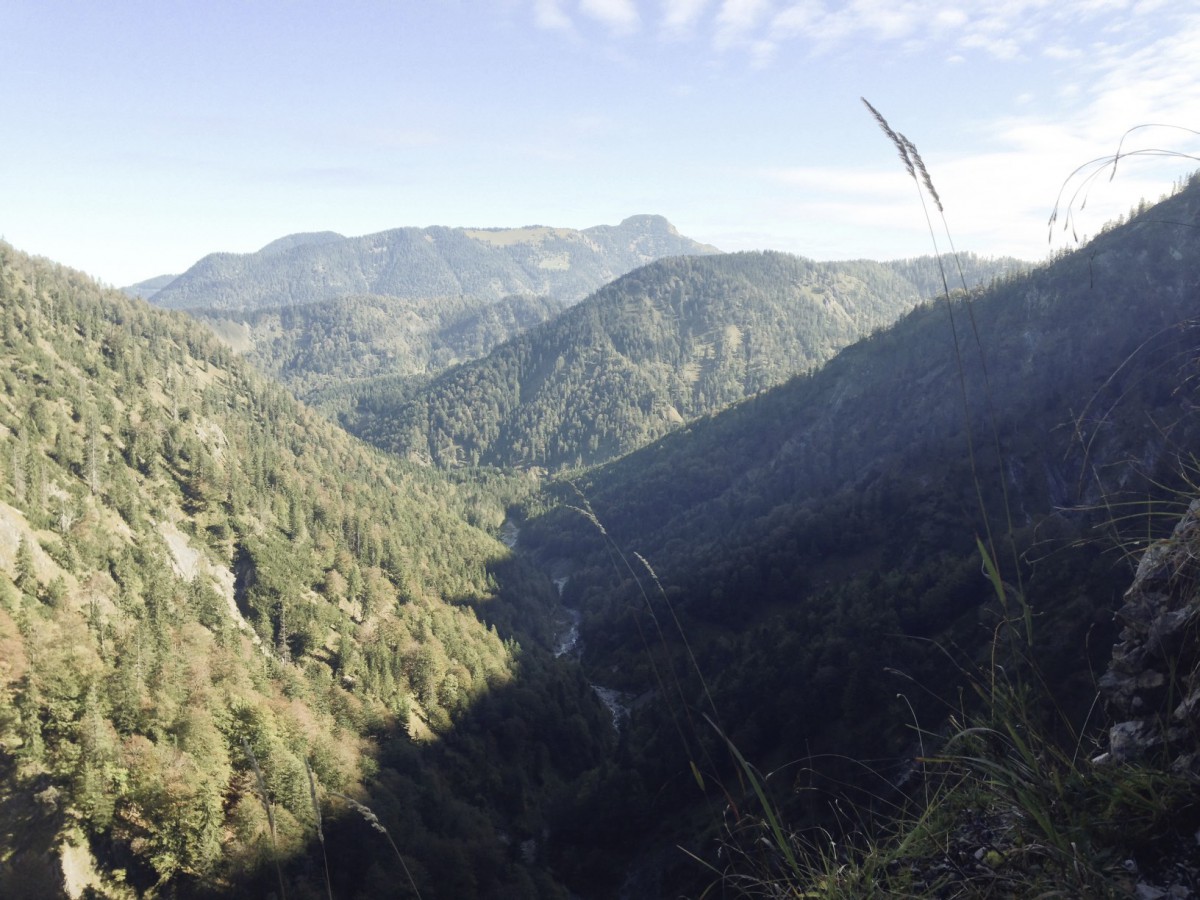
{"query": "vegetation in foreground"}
[(816, 545), (1010, 801)]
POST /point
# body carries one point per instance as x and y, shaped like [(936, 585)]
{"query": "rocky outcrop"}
[(1152, 686)]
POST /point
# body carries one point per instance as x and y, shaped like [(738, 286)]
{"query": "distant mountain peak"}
[(302, 239), (649, 222), (148, 288), (563, 264)]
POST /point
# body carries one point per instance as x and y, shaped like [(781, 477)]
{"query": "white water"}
[(616, 702), (509, 533), (568, 640)]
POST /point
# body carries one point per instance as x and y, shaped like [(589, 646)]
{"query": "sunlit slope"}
[(412, 263), (199, 577)]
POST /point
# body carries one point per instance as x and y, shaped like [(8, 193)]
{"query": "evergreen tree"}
[(24, 569)]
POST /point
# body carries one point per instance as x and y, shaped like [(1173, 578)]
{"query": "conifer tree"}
[(25, 574)]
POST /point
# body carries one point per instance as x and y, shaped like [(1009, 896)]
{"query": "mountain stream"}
[(567, 635)]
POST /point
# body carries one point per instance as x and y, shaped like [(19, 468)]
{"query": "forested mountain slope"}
[(419, 263), (205, 588), (322, 312), (817, 545), (669, 342), (324, 351)]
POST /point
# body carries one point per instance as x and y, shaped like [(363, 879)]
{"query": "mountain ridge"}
[(814, 552), (412, 262), (671, 341)]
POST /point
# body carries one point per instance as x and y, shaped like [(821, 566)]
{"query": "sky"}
[(139, 137)]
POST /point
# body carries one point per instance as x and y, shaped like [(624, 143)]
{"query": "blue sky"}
[(140, 136)]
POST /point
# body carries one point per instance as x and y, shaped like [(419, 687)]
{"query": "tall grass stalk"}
[(1072, 198), (919, 172), (1080, 181), (373, 820), (1005, 699), (1171, 500), (1056, 818), (312, 796), (1062, 825), (615, 553), (267, 806)]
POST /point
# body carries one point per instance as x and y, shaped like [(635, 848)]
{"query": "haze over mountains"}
[(207, 590), (320, 311), (420, 263), (355, 334)]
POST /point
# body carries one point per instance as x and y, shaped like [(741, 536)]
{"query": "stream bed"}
[(567, 636)]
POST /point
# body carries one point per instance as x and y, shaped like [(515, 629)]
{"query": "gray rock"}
[(1152, 685)]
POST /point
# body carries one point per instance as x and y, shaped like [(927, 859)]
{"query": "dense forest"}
[(327, 353), (792, 566), (243, 652), (670, 342), (419, 263), (220, 616)]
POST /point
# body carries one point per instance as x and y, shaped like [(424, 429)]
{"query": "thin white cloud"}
[(823, 26), (680, 17), (619, 15), (885, 20), (1000, 198), (737, 19), (762, 53), (1061, 52), (1003, 48), (1107, 64), (951, 17), (1063, 32), (548, 15), (1115, 87), (1005, 30), (797, 19)]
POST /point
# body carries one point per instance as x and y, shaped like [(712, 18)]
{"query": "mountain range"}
[(671, 341), (420, 263), (244, 652), (320, 311)]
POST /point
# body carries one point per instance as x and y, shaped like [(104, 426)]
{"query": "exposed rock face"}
[(1152, 686)]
